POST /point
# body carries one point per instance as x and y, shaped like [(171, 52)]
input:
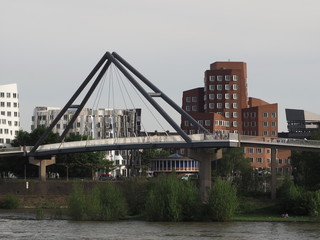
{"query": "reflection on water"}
[(65, 229)]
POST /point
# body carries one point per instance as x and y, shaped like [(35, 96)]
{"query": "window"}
[(251, 150), (211, 87), (234, 114), (227, 96), (219, 78), (251, 160), (259, 160), (227, 114), (3, 113), (186, 123), (259, 150), (280, 161), (207, 122), (265, 114), (273, 133), (200, 122), (227, 77), (211, 105), (188, 108), (194, 108), (2, 104), (273, 115), (9, 114), (253, 124), (235, 124), (265, 124), (235, 96), (8, 95), (273, 124), (227, 87), (194, 99), (219, 96), (253, 114), (14, 95), (205, 106), (235, 78), (219, 87), (211, 96), (8, 104), (227, 123), (188, 99), (235, 87), (219, 105), (227, 105), (235, 105), (211, 78), (2, 94), (265, 133)]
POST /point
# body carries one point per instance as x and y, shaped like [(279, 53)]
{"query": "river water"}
[(12, 227)]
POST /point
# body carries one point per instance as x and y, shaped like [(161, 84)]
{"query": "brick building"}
[(223, 106)]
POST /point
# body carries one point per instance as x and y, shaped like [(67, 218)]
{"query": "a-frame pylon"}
[(123, 66)]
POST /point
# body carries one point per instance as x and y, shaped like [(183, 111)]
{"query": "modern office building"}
[(9, 114), (222, 106), (99, 124), (301, 123)]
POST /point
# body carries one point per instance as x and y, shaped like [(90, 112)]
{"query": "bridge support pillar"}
[(273, 173), (42, 164), (204, 157)]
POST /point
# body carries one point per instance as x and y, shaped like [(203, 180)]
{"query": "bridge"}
[(195, 143)]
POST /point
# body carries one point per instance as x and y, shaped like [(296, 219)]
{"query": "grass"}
[(270, 218)]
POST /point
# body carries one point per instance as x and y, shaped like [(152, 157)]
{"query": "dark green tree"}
[(306, 167)]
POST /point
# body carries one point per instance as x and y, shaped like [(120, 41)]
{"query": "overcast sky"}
[(49, 47)]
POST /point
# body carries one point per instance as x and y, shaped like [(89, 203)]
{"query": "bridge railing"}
[(282, 141)]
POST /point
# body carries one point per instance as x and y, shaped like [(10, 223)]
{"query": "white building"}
[(99, 124), (9, 114)]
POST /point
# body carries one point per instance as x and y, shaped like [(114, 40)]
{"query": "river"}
[(13, 227)]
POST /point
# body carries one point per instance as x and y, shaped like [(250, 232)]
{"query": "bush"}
[(10, 202), (113, 204), (223, 201), (104, 204), (314, 209), (170, 199)]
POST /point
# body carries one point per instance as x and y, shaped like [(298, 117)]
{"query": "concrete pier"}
[(42, 164)]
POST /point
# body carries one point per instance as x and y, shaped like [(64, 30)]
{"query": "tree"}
[(306, 167)]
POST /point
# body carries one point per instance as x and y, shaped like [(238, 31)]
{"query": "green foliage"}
[(293, 199), (314, 206), (10, 202), (106, 203), (39, 213), (135, 191), (170, 199), (113, 203), (77, 202), (223, 201)]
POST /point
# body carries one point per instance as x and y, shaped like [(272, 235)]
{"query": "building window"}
[(227, 123), (235, 87), (253, 114), (235, 114), (250, 160), (186, 123), (211, 78), (188, 108), (8, 104), (194, 108), (273, 115), (227, 87), (194, 99), (219, 96), (227, 105), (219, 105), (235, 105), (227, 114), (219, 87), (265, 114), (253, 124), (251, 150), (211, 87), (227, 96), (227, 77), (273, 133), (265, 133), (211, 96), (273, 124), (188, 99), (235, 96), (235, 124), (14, 95), (8, 95), (280, 161), (207, 122), (259, 160), (265, 124), (219, 78), (200, 122), (235, 78), (205, 106), (211, 105), (259, 150), (2, 94)]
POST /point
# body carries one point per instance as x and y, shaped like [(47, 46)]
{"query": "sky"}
[(48, 47)]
